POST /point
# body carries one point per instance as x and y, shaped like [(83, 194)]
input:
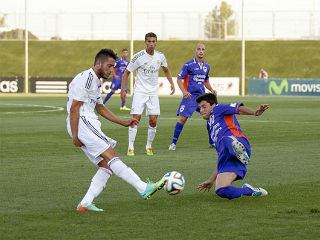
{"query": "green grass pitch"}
[(43, 176)]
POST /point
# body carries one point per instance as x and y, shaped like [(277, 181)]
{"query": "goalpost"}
[(130, 10), (26, 41)]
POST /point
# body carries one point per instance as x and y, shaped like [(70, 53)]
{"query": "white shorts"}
[(151, 103), (94, 140)]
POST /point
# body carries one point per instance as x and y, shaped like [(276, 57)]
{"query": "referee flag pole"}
[(26, 78)]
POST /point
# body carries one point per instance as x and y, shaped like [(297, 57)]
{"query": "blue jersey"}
[(119, 67), (194, 75), (223, 122)]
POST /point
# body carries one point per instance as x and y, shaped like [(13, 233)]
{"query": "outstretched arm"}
[(206, 185), (106, 113), (248, 111), (169, 77)]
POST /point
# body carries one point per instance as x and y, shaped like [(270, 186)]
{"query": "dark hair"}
[(150, 34), (104, 54), (208, 97), (123, 50)]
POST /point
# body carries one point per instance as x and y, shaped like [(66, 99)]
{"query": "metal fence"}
[(270, 25)]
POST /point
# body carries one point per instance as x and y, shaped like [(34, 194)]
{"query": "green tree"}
[(3, 20), (218, 20), (17, 34)]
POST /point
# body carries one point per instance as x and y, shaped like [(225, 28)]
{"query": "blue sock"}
[(123, 103), (233, 192), (107, 97), (177, 130)]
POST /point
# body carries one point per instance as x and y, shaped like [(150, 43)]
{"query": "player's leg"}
[(153, 111), (177, 130), (152, 129), (109, 95), (132, 131), (185, 111), (137, 107), (123, 104), (225, 190), (95, 142), (124, 172), (98, 183), (238, 147)]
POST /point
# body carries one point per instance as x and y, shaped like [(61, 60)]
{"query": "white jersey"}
[(147, 68), (85, 87)]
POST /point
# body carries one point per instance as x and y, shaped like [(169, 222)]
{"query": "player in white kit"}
[(146, 63), (84, 127)]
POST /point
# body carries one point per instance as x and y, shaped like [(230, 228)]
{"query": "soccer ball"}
[(174, 184)]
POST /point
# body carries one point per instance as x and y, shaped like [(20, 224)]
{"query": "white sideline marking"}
[(241, 120), (54, 108)]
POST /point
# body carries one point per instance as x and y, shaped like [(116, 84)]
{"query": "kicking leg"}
[(127, 174)]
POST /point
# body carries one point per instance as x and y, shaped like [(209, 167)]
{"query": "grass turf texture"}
[(43, 177), (281, 59)]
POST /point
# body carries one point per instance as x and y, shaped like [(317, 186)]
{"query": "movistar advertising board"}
[(284, 86)]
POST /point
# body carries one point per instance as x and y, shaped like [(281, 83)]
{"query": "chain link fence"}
[(269, 25)]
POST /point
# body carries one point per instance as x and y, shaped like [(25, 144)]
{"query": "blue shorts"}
[(227, 159), (188, 106), (115, 84)]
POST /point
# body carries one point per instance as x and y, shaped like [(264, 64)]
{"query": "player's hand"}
[(131, 122), (172, 89), (123, 95), (261, 109), (116, 77), (214, 92), (186, 95), (205, 186), (77, 142)]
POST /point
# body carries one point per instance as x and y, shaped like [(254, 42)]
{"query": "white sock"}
[(127, 174), (98, 183), (151, 134), (132, 136)]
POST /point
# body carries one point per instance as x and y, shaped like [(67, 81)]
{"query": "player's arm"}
[(169, 77), (185, 93), (74, 121), (206, 185), (123, 84), (208, 86), (248, 111), (106, 113), (115, 73)]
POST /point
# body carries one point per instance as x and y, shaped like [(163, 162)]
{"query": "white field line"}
[(241, 120), (52, 108)]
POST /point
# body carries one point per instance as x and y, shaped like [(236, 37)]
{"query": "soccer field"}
[(43, 176)]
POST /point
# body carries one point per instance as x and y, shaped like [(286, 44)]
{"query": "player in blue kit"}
[(195, 76), (232, 146), (119, 68)]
